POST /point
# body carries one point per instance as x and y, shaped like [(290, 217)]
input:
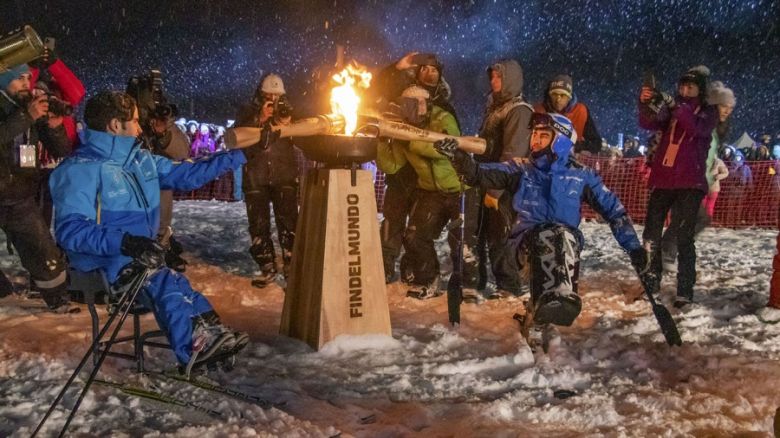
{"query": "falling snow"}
[(213, 53)]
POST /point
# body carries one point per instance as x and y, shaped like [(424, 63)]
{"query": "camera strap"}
[(674, 146)]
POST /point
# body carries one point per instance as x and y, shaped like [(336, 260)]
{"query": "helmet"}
[(564, 134), (272, 84)]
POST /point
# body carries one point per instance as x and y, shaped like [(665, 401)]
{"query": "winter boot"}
[(769, 315), (6, 287), (265, 276), (500, 294), (210, 342), (58, 300), (472, 296), (425, 292), (682, 302)]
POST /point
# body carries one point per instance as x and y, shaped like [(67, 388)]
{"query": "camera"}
[(147, 90), (59, 107), (282, 107)]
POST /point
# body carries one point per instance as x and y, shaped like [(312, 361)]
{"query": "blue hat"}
[(11, 74)]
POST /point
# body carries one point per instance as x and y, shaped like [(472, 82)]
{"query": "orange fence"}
[(749, 196)]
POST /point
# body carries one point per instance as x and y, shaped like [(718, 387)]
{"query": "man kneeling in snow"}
[(547, 193), (107, 204)]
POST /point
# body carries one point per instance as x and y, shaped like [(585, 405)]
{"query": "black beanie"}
[(698, 75)]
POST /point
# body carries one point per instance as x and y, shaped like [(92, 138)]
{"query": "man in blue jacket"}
[(547, 191), (107, 204)]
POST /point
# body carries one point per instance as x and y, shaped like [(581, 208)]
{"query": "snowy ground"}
[(431, 380)]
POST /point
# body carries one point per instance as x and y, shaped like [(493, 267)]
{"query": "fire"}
[(345, 98)]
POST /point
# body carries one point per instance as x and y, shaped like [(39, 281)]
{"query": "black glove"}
[(447, 147), (639, 260), (641, 263), (148, 252)]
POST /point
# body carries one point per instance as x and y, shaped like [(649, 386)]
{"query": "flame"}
[(345, 98)]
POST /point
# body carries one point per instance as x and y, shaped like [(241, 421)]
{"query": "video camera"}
[(147, 90)]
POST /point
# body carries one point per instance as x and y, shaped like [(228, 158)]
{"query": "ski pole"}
[(123, 303), (455, 285)]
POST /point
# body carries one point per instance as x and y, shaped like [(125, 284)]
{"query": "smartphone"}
[(49, 43), (648, 79)]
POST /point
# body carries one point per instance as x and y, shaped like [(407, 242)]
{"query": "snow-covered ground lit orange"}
[(429, 379)]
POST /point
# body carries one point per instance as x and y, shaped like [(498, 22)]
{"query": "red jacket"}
[(72, 92)]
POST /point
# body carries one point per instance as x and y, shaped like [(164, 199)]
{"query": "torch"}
[(330, 124)]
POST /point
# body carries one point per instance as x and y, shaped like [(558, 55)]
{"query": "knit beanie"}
[(719, 94), (561, 84), (698, 75), (11, 74)]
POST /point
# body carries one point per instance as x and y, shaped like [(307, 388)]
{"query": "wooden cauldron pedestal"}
[(337, 282)]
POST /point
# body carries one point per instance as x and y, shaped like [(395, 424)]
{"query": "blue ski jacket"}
[(110, 186), (550, 190)]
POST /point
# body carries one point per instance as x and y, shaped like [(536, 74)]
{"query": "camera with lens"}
[(282, 107), (57, 106), (147, 90)]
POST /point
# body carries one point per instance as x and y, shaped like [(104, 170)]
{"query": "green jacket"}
[(434, 171)]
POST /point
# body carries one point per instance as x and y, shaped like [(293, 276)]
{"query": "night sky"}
[(213, 53)]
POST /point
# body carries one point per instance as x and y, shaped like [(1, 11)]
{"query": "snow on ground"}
[(429, 379)]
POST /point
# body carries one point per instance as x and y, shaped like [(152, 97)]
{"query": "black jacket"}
[(16, 127), (273, 165)]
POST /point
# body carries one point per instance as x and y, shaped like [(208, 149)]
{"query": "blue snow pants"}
[(174, 303)]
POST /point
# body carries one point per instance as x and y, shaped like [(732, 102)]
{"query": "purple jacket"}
[(680, 160)]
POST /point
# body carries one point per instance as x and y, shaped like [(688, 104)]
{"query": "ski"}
[(157, 396), (202, 383)]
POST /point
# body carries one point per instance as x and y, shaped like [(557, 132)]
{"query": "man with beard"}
[(437, 195), (27, 128)]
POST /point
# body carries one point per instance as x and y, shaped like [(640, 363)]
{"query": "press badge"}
[(27, 156)]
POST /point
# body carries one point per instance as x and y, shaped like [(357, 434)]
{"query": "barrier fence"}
[(749, 196)]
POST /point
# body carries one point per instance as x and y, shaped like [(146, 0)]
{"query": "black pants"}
[(487, 234), (669, 239), (430, 214), (258, 211), (398, 201), (24, 226), (43, 198), (684, 205)]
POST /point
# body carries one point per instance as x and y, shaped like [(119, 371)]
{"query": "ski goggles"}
[(546, 121)]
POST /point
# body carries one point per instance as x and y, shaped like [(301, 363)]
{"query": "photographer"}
[(65, 92), (677, 179), (270, 176), (26, 129), (160, 135)]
